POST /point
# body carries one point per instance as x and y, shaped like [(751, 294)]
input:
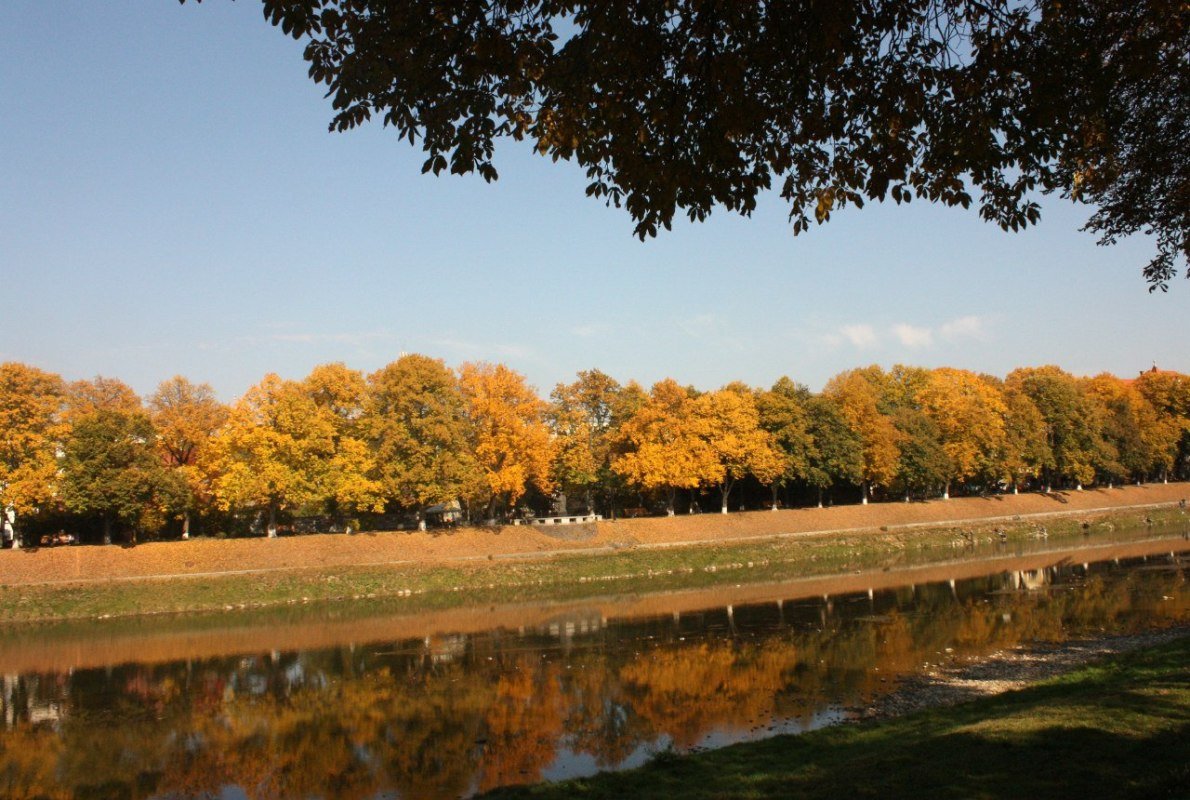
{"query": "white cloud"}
[(969, 327), (348, 338), (912, 336), (859, 335), (589, 330)]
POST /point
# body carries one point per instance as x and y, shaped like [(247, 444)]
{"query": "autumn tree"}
[(1026, 451), (186, 417), (682, 107), (274, 452), (665, 447), (1169, 394), (837, 453), (512, 442), (416, 423), (740, 446), (969, 414), (923, 461), (784, 415), (99, 393), (1141, 442), (858, 394), (1070, 421), (583, 416), (340, 395), (111, 467), (31, 429)]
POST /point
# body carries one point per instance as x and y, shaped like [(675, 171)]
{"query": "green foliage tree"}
[(1071, 422), (837, 454), (688, 105), (784, 414), (923, 464), (111, 467), (415, 422)]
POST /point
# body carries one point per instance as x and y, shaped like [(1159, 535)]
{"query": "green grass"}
[(407, 588), (1120, 729)]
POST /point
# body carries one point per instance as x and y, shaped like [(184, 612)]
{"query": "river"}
[(455, 703)]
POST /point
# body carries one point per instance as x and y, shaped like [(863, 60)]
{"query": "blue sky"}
[(171, 202)]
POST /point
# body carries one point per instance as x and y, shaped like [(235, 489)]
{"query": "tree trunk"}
[(820, 497), (946, 491), (272, 526), (864, 490), (185, 525), (725, 490), (10, 520), (107, 529), (774, 489), (669, 501), (1015, 489), (421, 520)]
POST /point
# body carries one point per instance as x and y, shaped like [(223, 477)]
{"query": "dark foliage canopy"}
[(685, 105)]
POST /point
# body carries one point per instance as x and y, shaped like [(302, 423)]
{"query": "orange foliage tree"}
[(511, 440)]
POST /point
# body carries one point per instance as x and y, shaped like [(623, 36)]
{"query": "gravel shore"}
[(1006, 670)]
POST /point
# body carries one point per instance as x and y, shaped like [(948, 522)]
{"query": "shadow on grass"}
[(1118, 730)]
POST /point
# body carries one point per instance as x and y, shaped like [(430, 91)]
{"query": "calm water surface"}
[(456, 714)]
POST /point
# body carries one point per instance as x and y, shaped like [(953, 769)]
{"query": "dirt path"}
[(210, 557), (1007, 670)]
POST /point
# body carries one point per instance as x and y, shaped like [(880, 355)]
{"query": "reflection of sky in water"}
[(565, 698)]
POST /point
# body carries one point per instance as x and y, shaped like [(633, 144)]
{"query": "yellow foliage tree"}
[(340, 395), (187, 416), (31, 429), (857, 394), (583, 416), (731, 423), (99, 393), (274, 451), (666, 444), (969, 412), (1142, 440), (512, 442)]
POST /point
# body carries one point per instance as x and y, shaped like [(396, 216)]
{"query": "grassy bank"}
[(428, 586), (1118, 729)]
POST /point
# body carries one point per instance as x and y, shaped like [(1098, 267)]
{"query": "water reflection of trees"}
[(446, 717)]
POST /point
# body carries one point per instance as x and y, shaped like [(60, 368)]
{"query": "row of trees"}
[(416, 434)]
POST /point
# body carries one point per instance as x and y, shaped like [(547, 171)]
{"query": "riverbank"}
[(74, 644), (478, 567), (1115, 728)]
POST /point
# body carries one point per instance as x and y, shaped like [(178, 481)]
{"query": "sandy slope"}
[(205, 556)]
